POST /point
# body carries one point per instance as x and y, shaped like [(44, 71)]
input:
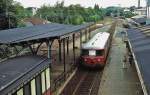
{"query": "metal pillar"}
[(89, 30), (49, 45), (30, 47), (59, 41), (64, 61), (86, 34), (74, 48), (68, 46), (38, 48), (80, 38)]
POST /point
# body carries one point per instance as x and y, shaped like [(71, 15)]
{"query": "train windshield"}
[(99, 52), (85, 52), (92, 52)]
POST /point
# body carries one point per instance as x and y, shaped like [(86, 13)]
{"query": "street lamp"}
[(147, 12), (119, 6)]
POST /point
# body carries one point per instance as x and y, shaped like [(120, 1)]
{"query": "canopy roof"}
[(16, 71), (140, 43), (38, 32)]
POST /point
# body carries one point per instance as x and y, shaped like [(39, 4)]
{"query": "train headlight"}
[(85, 59), (99, 60)]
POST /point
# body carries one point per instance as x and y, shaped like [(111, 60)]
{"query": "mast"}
[(138, 3)]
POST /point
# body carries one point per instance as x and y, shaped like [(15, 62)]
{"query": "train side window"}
[(99, 52), (43, 82), (33, 87), (38, 85), (20, 91), (48, 78), (27, 90), (85, 52)]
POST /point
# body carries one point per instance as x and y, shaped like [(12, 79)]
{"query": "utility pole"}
[(147, 11), (118, 13), (138, 3), (7, 13)]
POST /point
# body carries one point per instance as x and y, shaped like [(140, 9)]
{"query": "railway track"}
[(84, 82)]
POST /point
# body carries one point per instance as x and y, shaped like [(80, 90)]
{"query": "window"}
[(33, 87), (43, 82), (48, 78), (99, 52), (85, 52), (20, 92)]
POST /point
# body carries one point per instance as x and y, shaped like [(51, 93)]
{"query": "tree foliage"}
[(12, 13), (73, 14)]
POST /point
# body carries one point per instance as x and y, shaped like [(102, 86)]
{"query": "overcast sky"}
[(85, 3)]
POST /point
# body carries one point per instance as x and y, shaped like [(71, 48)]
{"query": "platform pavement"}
[(119, 78)]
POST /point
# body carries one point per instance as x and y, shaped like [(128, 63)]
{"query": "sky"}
[(84, 3)]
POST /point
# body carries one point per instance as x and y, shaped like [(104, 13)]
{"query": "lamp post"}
[(7, 13), (147, 12), (118, 13), (138, 3)]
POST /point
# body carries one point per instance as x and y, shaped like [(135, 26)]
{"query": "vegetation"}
[(12, 13), (73, 14)]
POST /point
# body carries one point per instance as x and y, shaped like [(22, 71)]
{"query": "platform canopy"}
[(39, 32), (11, 77), (140, 43)]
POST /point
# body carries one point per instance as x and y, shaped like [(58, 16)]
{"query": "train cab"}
[(94, 52)]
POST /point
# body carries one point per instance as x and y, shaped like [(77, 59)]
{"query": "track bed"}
[(84, 82)]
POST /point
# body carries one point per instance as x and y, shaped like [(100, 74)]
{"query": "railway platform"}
[(119, 78)]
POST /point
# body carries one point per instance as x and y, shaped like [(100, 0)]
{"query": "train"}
[(94, 52)]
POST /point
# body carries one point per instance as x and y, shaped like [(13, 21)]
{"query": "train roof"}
[(98, 41), (16, 71)]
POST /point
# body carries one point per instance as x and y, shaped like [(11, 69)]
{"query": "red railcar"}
[(94, 52)]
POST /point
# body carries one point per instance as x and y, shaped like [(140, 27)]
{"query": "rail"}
[(84, 82)]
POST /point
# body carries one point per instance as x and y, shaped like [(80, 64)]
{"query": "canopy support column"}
[(38, 48), (74, 48), (30, 47), (49, 45), (59, 41), (86, 35), (68, 46), (64, 58), (89, 30), (80, 38)]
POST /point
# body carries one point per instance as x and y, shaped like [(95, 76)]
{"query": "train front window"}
[(85, 52), (99, 52)]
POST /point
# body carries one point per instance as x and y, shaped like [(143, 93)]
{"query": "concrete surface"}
[(119, 78)]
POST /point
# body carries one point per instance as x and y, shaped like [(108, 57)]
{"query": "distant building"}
[(34, 21), (33, 10), (126, 9), (141, 11)]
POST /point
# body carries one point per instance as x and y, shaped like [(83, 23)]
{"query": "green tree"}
[(73, 14), (7, 14)]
